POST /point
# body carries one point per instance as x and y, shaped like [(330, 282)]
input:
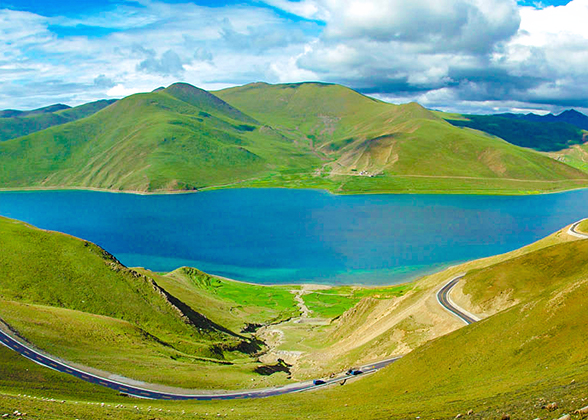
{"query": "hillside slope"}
[(15, 124), (514, 362), (307, 135), (180, 138), (398, 147), (74, 300)]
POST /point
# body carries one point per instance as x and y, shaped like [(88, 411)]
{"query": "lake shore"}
[(244, 185)]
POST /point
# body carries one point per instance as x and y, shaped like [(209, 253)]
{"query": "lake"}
[(295, 236)]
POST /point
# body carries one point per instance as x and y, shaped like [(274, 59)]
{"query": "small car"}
[(318, 382)]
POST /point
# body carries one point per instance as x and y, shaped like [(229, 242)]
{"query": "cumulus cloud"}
[(169, 64), (435, 25), (463, 55), (104, 82)]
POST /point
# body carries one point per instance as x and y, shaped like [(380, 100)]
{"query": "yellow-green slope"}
[(514, 362)]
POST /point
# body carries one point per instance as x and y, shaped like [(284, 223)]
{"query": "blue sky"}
[(457, 55)]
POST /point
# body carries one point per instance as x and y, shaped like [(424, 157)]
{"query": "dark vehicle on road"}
[(318, 382), (353, 372)]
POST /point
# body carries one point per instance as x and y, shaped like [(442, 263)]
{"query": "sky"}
[(468, 56)]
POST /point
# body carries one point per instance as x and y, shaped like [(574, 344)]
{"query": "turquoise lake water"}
[(295, 236)]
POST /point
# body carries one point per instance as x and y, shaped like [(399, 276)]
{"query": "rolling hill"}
[(308, 135), (15, 123), (397, 147), (180, 138), (74, 300)]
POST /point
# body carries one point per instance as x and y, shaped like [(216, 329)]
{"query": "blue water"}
[(294, 236)]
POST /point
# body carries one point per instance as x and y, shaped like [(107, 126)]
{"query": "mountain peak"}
[(205, 100), (572, 113)]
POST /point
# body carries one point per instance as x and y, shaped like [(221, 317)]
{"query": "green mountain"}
[(12, 113), (15, 124), (571, 116), (294, 135), (404, 147), (180, 138), (546, 134)]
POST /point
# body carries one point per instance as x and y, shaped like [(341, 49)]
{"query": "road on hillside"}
[(136, 391), (445, 301), (61, 366), (574, 230)]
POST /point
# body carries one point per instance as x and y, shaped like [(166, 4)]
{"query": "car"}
[(318, 382), (354, 372)]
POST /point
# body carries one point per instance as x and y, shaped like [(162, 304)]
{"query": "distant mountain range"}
[(296, 135), (571, 116), (547, 133), (15, 123)]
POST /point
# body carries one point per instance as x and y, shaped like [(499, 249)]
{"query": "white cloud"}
[(121, 90), (473, 54)]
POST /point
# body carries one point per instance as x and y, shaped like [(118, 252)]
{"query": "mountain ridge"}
[(316, 135)]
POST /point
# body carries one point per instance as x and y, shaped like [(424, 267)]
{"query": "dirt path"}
[(304, 311)]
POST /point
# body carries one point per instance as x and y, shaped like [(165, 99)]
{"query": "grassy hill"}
[(230, 303), (370, 145), (15, 124), (514, 362), (575, 156), (74, 300), (308, 135), (180, 138)]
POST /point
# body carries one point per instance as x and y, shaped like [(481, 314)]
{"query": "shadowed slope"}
[(15, 124)]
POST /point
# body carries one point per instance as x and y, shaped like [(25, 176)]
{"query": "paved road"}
[(573, 230), (61, 366), (445, 301)]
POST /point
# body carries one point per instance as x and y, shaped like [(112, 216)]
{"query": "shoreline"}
[(506, 193)]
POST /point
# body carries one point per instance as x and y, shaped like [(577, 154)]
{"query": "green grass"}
[(333, 302), (402, 184), (524, 277), (583, 227), (119, 347), (307, 135), (575, 156), (510, 363), (71, 298), (230, 303)]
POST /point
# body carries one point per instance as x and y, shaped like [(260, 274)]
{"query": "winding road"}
[(445, 301), (573, 230), (25, 350), (136, 391)]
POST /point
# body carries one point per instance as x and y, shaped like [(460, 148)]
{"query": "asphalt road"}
[(443, 299), (61, 366), (574, 230)]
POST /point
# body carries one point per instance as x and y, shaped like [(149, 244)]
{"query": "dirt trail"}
[(304, 311)]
